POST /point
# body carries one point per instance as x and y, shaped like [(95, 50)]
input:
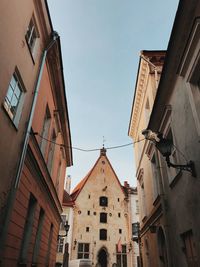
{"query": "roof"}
[(67, 200), (82, 183)]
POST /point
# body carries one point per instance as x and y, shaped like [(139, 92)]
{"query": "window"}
[(45, 130), (38, 237), (189, 68), (58, 176), (49, 245), (51, 151), (172, 172), (83, 250), (60, 245), (64, 219), (189, 249), (89, 196), (121, 256), (135, 229), (94, 213), (87, 229), (103, 234), (103, 217), (14, 99), (120, 231), (118, 199), (119, 214), (103, 201), (147, 111), (155, 175), (28, 227), (31, 35), (142, 195), (137, 207), (88, 212)]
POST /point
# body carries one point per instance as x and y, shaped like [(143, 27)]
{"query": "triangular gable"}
[(81, 184)]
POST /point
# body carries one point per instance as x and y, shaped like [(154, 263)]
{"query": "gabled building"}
[(102, 220)]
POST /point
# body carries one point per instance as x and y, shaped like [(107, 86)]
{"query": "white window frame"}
[(60, 246), (14, 85), (165, 128), (156, 175), (84, 254), (32, 35)]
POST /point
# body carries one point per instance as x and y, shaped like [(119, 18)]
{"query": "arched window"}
[(103, 234), (103, 201)]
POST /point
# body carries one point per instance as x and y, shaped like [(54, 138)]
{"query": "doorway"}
[(102, 258)]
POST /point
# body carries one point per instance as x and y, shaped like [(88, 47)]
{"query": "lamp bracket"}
[(187, 167)]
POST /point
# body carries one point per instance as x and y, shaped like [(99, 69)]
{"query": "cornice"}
[(139, 96)]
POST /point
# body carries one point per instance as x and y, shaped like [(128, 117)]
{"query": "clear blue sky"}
[(101, 41)]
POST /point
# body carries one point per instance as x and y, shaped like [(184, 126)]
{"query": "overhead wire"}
[(88, 150)]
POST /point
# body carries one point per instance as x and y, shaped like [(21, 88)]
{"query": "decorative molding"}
[(139, 96), (190, 48)]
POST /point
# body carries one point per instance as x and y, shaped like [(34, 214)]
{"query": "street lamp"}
[(66, 228), (165, 147)]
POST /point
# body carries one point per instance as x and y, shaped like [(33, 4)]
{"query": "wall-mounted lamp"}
[(66, 228), (75, 242), (165, 147)]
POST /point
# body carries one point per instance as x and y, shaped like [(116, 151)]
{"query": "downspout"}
[(24, 149), (11, 198)]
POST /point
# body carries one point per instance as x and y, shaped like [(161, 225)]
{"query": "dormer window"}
[(103, 201)]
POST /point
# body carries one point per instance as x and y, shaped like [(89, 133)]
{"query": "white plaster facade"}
[(101, 181), (149, 182), (134, 207)]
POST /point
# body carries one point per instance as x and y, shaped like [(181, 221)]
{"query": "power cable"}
[(88, 150)]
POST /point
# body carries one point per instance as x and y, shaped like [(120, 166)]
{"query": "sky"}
[(101, 41)]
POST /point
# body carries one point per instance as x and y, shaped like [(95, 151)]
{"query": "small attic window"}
[(103, 162), (103, 201)]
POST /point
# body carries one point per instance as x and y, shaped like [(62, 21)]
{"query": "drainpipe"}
[(22, 159), (13, 191)]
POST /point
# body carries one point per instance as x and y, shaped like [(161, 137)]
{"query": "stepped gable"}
[(81, 184)]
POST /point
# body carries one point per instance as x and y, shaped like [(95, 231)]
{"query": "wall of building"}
[(15, 53), (101, 182)]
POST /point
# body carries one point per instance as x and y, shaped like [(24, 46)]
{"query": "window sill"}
[(156, 201), (175, 180), (144, 218), (11, 120)]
